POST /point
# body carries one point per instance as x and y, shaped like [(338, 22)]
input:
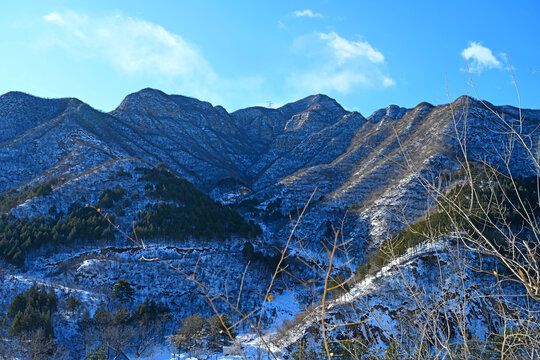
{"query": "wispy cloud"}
[(130, 45), (339, 64), (148, 51), (54, 17), (307, 13), (387, 81), (345, 50), (480, 58)]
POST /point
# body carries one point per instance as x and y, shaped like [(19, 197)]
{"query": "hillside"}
[(216, 195)]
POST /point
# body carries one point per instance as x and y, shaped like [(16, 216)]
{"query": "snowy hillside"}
[(196, 208)]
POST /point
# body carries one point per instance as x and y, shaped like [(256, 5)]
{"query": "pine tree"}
[(97, 354), (123, 291)]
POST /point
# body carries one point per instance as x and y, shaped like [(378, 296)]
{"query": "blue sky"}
[(365, 54)]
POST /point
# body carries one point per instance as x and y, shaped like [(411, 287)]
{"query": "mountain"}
[(285, 152), (370, 177)]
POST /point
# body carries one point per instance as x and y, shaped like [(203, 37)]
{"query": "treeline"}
[(109, 197), (182, 211), (498, 201), (20, 235), (181, 222), (113, 329), (31, 311), (11, 198), (147, 311), (178, 211)]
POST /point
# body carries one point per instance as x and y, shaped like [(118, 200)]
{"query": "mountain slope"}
[(373, 166), (370, 177)]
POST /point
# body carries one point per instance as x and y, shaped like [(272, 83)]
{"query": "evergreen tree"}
[(123, 291), (97, 354)]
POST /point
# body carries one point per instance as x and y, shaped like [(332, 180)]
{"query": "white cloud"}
[(345, 49), (131, 45), (307, 13), (54, 17), (148, 53), (338, 64), (480, 58), (387, 82)]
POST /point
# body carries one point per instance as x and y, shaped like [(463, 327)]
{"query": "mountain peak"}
[(25, 98), (20, 111), (136, 98), (311, 102), (465, 99), (150, 98), (320, 98), (424, 104), (392, 112), (16, 94), (468, 101)]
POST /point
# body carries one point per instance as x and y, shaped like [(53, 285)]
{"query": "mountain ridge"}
[(369, 177), (259, 146)]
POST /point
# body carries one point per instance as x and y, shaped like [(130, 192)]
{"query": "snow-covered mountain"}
[(367, 176), (285, 153)]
